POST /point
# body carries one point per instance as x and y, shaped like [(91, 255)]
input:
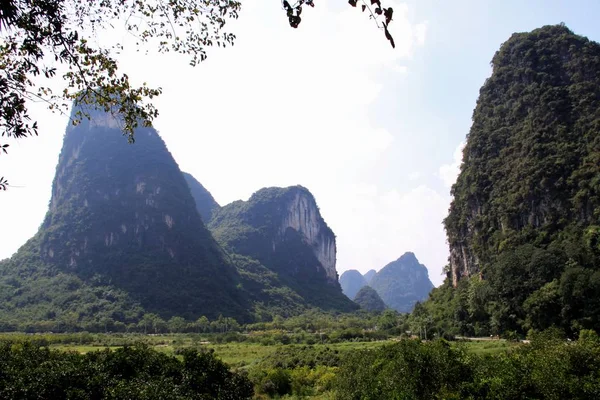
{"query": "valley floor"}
[(247, 354), (252, 358), (340, 370)]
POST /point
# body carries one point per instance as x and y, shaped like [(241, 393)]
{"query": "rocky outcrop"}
[(273, 218), (303, 216), (352, 281), (403, 283), (463, 262)]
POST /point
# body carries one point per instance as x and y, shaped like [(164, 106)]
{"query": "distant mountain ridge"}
[(351, 282), (400, 284), (124, 239), (403, 283), (369, 275)]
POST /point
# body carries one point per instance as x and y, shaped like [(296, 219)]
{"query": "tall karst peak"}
[(369, 275), (278, 214), (352, 281), (532, 151), (205, 202), (524, 223), (402, 283), (408, 257), (122, 215), (282, 228)]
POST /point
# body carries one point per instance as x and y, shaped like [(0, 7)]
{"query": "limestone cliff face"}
[(463, 262), (302, 215), (282, 230)]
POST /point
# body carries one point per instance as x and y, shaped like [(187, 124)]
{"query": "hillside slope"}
[(402, 283), (368, 299), (205, 202)]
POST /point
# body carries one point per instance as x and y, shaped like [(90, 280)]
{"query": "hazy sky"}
[(374, 132)]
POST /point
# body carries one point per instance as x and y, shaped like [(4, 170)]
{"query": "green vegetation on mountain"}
[(368, 299), (121, 235), (123, 246), (205, 203), (284, 251), (351, 282), (402, 283), (524, 224)]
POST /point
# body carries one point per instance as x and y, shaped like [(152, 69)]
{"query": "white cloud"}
[(421, 33), (449, 172), (413, 176)]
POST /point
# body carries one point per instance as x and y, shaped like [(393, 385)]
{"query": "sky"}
[(374, 133)]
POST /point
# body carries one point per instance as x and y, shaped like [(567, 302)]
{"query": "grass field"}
[(234, 354), (246, 354), (488, 347)]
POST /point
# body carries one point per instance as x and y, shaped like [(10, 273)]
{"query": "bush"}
[(548, 368), (29, 371)]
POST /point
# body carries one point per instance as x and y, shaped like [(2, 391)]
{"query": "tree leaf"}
[(388, 12)]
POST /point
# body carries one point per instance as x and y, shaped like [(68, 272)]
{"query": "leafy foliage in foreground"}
[(35, 32), (549, 368), (28, 371), (376, 10), (526, 209)]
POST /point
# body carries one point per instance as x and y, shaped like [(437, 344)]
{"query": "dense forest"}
[(524, 225)]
